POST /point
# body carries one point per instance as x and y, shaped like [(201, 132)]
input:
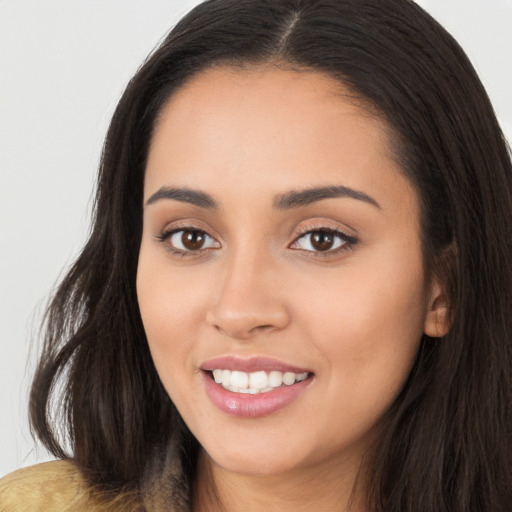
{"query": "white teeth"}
[(255, 382), (239, 379), (258, 380), (275, 379), (289, 378)]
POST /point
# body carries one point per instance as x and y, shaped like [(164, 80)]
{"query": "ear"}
[(438, 318)]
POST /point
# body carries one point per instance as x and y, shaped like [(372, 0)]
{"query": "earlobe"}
[(438, 316)]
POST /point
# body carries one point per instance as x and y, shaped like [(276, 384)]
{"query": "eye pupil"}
[(322, 241), (192, 240)]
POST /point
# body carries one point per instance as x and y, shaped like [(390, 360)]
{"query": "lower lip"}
[(252, 406)]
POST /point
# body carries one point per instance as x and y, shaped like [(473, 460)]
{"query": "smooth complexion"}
[(240, 269)]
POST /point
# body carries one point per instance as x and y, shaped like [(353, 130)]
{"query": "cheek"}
[(368, 323), (169, 305), (369, 342)]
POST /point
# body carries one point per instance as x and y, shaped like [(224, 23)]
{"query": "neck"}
[(313, 488)]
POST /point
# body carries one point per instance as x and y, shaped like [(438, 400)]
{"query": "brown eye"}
[(190, 240), (322, 241)]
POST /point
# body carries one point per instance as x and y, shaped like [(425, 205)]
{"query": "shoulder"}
[(55, 486)]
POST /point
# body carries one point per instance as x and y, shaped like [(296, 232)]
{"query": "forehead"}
[(264, 99), (258, 127)]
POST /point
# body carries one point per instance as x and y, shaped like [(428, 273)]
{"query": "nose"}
[(248, 299)]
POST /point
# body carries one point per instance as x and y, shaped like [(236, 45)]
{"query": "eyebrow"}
[(287, 201), (184, 195), (296, 199)]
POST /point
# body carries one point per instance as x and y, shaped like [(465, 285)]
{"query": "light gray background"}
[(63, 66)]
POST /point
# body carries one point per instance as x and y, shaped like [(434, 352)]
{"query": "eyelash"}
[(348, 242), (165, 236)]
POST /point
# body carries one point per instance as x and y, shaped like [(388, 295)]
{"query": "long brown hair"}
[(446, 443)]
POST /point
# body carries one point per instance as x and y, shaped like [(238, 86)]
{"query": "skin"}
[(258, 287)]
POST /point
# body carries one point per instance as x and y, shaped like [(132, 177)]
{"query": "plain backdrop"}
[(63, 67)]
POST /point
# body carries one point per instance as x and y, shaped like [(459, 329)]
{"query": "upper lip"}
[(251, 364)]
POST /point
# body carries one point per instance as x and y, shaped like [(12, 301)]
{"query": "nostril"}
[(241, 316)]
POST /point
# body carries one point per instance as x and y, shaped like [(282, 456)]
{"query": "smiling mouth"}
[(254, 383), (253, 387)]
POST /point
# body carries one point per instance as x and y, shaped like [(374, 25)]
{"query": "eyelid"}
[(175, 232), (189, 224), (349, 241), (169, 231)]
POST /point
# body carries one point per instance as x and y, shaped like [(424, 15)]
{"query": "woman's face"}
[(280, 241)]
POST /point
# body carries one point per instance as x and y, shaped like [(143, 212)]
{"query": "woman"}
[(297, 289)]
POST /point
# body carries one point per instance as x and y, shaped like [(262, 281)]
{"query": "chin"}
[(252, 465), (256, 457)]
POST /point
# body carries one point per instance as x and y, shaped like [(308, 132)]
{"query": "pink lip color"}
[(246, 405), (252, 364)]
